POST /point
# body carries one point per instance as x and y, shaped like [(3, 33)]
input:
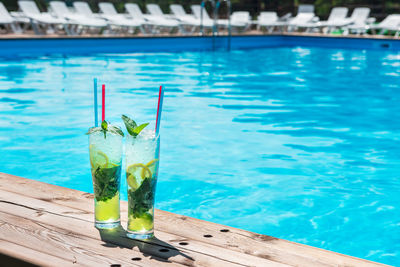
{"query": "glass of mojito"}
[(142, 159), (105, 149)]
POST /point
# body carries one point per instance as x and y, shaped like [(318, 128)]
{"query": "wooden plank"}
[(18, 255), (73, 248), (76, 221), (192, 229)]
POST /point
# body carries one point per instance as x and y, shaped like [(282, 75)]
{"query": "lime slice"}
[(151, 165), (111, 165), (132, 169), (131, 179), (98, 158)]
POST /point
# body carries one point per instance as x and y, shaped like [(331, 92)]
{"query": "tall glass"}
[(142, 160), (105, 151)]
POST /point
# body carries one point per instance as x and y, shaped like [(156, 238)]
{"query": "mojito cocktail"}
[(105, 149), (142, 159)]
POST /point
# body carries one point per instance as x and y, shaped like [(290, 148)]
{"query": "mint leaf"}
[(132, 127), (138, 129), (115, 130), (129, 124), (141, 199), (105, 127), (106, 182), (93, 130)]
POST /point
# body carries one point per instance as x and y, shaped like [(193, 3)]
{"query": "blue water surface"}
[(298, 143)]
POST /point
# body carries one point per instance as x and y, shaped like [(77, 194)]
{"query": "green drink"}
[(142, 160), (105, 149)]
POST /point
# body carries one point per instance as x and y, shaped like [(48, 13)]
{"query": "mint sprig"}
[(106, 182), (132, 127), (106, 127), (141, 199)]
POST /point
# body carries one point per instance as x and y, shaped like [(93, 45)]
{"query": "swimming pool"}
[(296, 142)]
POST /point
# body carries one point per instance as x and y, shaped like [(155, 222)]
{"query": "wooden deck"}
[(47, 225)]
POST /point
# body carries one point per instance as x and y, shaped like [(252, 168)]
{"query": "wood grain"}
[(75, 221), (72, 247), (28, 257), (228, 248)]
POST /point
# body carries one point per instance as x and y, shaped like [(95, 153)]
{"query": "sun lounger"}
[(41, 22), (151, 23), (8, 21), (357, 23), (268, 20), (81, 22), (180, 14), (391, 24), (163, 22), (336, 19), (202, 16), (83, 9), (305, 18), (186, 19), (240, 21), (110, 14), (302, 20)]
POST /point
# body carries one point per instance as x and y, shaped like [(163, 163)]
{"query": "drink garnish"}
[(141, 199), (131, 126), (106, 127), (105, 175), (106, 182)]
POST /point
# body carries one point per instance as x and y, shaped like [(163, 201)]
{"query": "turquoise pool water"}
[(298, 143)]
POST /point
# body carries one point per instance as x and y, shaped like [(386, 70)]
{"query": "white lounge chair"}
[(391, 23), (240, 21), (110, 14), (8, 21), (187, 19), (42, 22), (270, 21), (80, 22), (358, 22), (150, 22), (83, 9), (267, 20), (302, 20), (157, 15), (305, 18), (336, 19), (180, 14), (205, 20)]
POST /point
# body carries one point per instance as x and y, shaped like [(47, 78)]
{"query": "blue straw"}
[(95, 103)]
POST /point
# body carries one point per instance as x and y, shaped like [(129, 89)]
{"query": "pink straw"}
[(103, 102), (159, 108)]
